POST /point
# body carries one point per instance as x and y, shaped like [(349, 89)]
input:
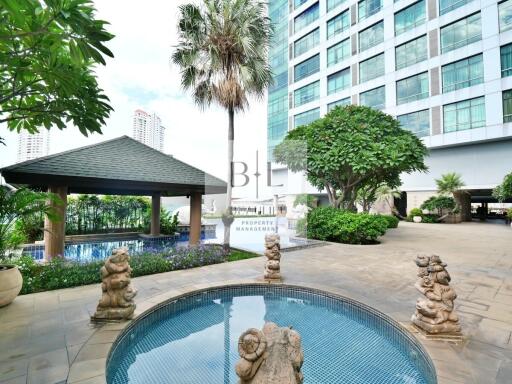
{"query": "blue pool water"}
[(194, 339), (99, 250)]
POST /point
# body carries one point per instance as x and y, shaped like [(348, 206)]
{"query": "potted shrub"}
[(509, 215), (416, 215), (16, 205)]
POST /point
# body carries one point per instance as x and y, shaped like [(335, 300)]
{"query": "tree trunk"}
[(229, 210)]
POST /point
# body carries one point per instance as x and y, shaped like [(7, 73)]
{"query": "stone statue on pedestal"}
[(273, 255), (116, 302), (271, 356), (435, 311)]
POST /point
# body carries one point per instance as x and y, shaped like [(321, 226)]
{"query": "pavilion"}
[(121, 166)]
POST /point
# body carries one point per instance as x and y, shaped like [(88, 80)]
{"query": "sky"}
[(142, 76)]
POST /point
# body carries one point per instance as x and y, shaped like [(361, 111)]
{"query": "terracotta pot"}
[(417, 219), (10, 283)]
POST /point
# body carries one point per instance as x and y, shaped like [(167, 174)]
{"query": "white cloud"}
[(141, 76)]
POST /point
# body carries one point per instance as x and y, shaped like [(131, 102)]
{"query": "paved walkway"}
[(47, 337)]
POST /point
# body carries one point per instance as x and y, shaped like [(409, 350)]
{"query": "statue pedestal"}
[(455, 337)]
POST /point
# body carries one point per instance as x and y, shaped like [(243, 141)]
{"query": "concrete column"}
[(155, 214), (55, 231), (195, 218)]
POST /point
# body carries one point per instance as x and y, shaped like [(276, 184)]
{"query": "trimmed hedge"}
[(331, 224), (60, 273), (391, 220)]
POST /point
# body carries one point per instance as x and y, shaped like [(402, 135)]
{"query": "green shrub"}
[(60, 273), (302, 227), (391, 220), (430, 218), (416, 212), (509, 213), (439, 203), (331, 224)]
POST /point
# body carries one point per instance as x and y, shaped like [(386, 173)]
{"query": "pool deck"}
[(47, 337)]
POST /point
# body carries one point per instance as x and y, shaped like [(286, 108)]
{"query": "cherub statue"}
[(271, 356), (434, 312), (116, 301)]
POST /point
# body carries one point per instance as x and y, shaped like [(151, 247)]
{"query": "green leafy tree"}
[(223, 56), (504, 191), (48, 50), (309, 201), (350, 148), (451, 184), (19, 204), (439, 204)]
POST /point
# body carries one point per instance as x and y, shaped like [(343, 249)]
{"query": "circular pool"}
[(193, 339)]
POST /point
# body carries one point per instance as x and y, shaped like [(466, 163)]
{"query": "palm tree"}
[(223, 56), (451, 184), (386, 194)]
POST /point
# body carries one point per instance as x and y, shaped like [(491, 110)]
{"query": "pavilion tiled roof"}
[(123, 160)]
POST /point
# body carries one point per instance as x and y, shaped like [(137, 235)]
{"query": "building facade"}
[(33, 145), (148, 129), (443, 68)]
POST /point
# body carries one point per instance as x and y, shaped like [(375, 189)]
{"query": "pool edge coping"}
[(112, 332)]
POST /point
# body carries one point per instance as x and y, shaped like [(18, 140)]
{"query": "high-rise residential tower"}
[(33, 145), (443, 68), (148, 129)]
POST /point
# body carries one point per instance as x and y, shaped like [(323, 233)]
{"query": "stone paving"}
[(47, 337)]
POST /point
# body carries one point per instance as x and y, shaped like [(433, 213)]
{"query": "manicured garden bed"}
[(59, 273)]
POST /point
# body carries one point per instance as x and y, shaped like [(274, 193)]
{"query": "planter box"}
[(453, 219)]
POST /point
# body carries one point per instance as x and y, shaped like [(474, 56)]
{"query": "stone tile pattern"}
[(40, 326)]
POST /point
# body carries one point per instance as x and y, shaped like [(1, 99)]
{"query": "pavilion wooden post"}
[(195, 218), (155, 214), (55, 231)]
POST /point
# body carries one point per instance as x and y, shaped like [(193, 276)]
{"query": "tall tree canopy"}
[(503, 191), (352, 148), (223, 56), (48, 50)]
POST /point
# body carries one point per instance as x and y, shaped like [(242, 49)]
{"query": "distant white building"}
[(148, 129), (33, 145)]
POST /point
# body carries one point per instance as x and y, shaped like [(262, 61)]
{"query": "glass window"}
[(341, 102), (339, 52), (505, 11), (366, 8), (507, 106), (307, 94), (338, 81), (461, 33), (298, 3), (331, 4), (410, 17), (371, 68), (463, 73), (305, 43), (416, 122), (412, 88), (467, 114), (506, 60), (305, 118), (305, 18), (411, 52), (338, 24), (306, 68), (446, 6), (371, 36), (375, 98)]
